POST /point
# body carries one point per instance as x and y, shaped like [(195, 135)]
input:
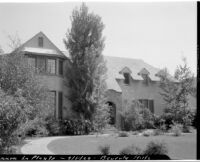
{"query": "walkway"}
[(38, 146)]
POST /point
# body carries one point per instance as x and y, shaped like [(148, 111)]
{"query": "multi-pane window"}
[(148, 104), (40, 42), (51, 66), (41, 64), (60, 67), (126, 78)]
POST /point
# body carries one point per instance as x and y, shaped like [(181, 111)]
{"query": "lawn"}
[(182, 147)]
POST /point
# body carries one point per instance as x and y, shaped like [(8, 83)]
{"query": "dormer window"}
[(126, 78), (40, 42), (144, 73)]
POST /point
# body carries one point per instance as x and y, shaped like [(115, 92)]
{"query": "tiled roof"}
[(116, 64)]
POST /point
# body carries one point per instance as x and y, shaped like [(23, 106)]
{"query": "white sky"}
[(160, 33)]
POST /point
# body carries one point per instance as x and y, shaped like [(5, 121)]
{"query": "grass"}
[(182, 147)]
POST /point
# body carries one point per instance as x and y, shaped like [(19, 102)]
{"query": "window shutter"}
[(60, 105), (151, 106)]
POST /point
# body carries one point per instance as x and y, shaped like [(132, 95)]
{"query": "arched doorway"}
[(112, 110)]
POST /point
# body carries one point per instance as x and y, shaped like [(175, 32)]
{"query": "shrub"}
[(35, 127), (156, 148), (11, 117), (132, 118), (53, 126), (147, 133), (148, 118), (135, 133), (123, 134), (157, 132), (105, 150), (75, 127), (130, 150), (176, 129)]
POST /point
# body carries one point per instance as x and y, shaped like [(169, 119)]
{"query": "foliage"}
[(137, 117), (158, 132), (147, 133), (86, 71), (156, 148), (11, 117), (105, 150), (130, 150), (176, 129), (31, 128), (76, 127), (26, 98), (53, 126), (101, 118), (123, 134), (175, 94)]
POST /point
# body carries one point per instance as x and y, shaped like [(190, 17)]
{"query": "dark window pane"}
[(151, 106), (51, 66), (126, 78), (60, 104), (60, 67), (40, 42), (41, 64)]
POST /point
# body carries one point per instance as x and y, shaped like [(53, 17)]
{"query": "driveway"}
[(38, 146)]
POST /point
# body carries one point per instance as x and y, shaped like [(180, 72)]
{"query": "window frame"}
[(48, 58), (59, 67), (126, 78), (148, 104), (40, 42)]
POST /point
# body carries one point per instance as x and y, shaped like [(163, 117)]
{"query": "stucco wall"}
[(137, 89), (57, 83)]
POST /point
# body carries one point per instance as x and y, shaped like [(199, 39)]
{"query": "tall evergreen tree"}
[(175, 94), (86, 72)]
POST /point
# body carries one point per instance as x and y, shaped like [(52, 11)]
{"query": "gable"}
[(32, 46), (125, 70)]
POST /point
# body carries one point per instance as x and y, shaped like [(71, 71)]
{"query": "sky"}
[(160, 33)]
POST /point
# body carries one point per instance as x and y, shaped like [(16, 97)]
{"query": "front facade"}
[(127, 79)]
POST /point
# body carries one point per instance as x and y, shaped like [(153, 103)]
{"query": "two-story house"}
[(127, 79)]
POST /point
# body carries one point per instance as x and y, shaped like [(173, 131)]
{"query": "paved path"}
[(38, 146)]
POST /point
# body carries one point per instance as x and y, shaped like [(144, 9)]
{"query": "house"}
[(127, 79)]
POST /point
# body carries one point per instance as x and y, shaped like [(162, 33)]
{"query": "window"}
[(60, 104), (40, 42), (52, 101), (41, 64), (51, 66), (32, 62), (126, 78), (60, 67), (148, 104)]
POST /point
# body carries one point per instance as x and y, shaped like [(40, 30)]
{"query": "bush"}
[(156, 148), (75, 127), (147, 133), (32, 128), (157, 132), (132, 118), (11, 117), (123, 134), (105, 150), (130, 150), (176, 129), (53, 126)]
